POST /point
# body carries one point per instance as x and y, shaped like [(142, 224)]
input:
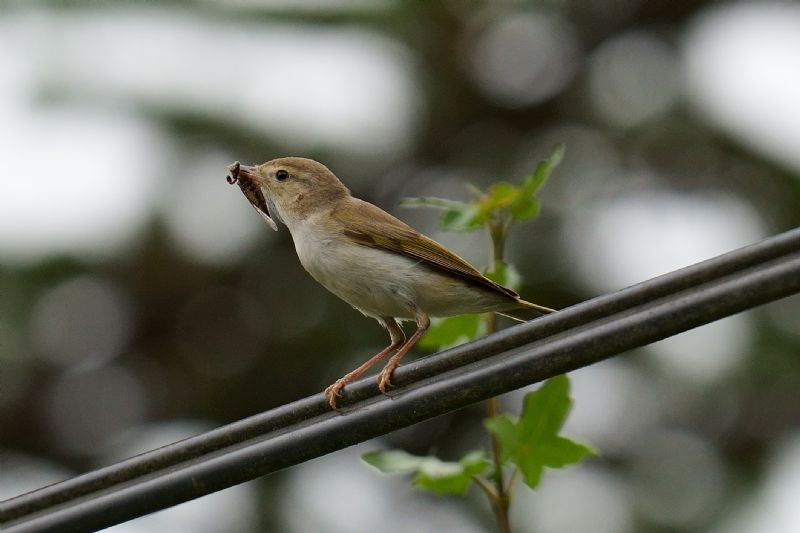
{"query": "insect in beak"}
[(245, 178)]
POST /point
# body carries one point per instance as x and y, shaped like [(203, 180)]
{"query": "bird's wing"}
[(368, 225)]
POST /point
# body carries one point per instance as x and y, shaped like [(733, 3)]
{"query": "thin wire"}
[(427, 367), (513, 358)]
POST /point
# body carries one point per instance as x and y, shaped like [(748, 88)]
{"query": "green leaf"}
[(519, 201), (393, 461), (430, 201), (433, 474), (505, 427), (451, 478), (506, 275), (526, 205), (474, 190), (467, 218), (457, 216), (535, 181), (525, 208), (502, 195), (448, 332), (532, 442)]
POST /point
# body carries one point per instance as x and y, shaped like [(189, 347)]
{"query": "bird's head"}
[(288, 189)]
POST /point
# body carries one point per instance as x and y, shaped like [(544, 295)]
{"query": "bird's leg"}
[(398, 338), (385, 377)]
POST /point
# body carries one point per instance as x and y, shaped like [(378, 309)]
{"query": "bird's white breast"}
[(383, 283)]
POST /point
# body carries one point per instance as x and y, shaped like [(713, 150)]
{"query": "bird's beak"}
[(246, 177)]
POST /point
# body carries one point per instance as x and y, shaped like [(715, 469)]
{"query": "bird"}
[(372, 260)]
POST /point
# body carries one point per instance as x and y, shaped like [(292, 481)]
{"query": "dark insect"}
[(233, 173), (251, 190)]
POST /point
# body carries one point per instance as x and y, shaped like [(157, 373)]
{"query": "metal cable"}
[(521, 355)]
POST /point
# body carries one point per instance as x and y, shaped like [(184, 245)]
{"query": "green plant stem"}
[(498, 233), (500, 511), (485, 486), (499, 496), (512, 483)]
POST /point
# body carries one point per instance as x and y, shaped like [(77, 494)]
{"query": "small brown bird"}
[(368, 258)]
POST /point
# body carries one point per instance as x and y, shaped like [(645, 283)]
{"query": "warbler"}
[(377, 263)]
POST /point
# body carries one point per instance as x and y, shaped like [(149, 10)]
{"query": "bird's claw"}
[(385, 380), (334, 392)]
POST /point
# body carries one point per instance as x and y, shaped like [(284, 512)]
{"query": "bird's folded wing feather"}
[(368, 225)]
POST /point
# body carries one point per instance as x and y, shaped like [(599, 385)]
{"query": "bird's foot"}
[(385, 378), (334, 392)]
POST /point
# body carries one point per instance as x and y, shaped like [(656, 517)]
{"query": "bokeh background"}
[(142, 299)]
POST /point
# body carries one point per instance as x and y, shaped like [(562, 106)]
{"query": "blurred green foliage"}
[(212, 342), (494, 210), (531, 441), (431, 473), (501, 203)]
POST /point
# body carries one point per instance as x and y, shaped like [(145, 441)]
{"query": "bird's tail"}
[(526, 311)]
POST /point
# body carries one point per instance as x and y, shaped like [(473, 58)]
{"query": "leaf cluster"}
[(531, 443), (431, 473), (496, 209), (502, 201), (527, 444)]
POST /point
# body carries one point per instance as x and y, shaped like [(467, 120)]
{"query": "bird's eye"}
[(281, 174)]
